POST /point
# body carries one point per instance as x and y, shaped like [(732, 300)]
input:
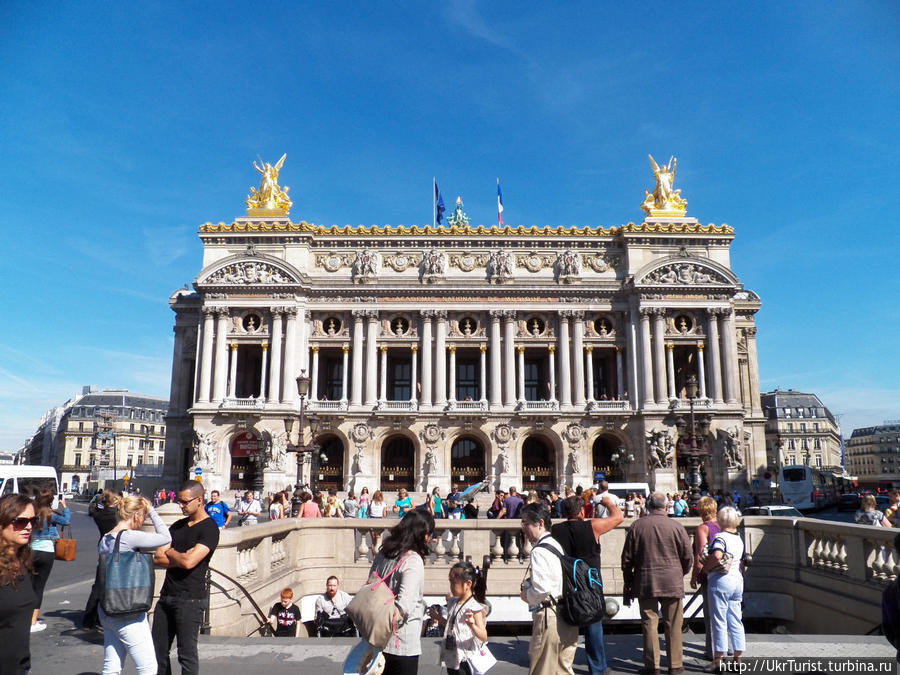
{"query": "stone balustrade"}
[(815, 576)]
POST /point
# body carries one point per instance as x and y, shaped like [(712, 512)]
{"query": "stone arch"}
[(398, 462), (331, 470), (718, 274), (246, 471), (541, 462), (605, 445), (468, 459), (276, 271)]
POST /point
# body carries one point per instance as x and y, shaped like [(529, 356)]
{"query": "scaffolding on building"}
[(105, 442)]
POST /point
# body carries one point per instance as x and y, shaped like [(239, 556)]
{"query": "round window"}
[(535, 325), (332, 325), (251, 323), (683, 323), (603, 326), (467, 325)]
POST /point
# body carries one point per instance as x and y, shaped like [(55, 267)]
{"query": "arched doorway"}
[(397, 462), (605, 468), (331, 464), (538, 465), (245, 465), (467, 461)]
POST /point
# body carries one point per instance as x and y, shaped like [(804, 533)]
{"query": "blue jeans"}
[(593, 645), (178, 617), (127, 636), (725, 594)]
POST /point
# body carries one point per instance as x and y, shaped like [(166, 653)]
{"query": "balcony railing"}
[(397, 405), (326, 405), (242, 404), (538, 405), (608, 405), (481, 405)]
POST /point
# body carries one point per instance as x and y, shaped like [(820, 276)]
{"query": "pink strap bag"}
[(373, 611)]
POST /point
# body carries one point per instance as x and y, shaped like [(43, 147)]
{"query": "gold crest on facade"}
[(664, 200), (270, 199)]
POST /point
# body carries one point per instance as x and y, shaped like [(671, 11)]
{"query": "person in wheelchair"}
[(331, 611)]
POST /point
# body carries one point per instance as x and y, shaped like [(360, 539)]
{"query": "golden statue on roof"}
[(270, 199), (664, 200)]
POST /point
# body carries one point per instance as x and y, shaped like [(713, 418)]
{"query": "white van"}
[(28, 479), (622, 490)]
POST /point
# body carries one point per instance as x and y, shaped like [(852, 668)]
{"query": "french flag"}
[(499, 203)]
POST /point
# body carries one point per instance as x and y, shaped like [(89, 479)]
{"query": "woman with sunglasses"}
[(130, 634), (43, 543), (17, 597)]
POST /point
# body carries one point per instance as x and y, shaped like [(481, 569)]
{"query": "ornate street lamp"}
[(301, 448), (622, 458), (694, 451)]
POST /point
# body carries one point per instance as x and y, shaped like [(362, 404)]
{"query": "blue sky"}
[(124, 126)]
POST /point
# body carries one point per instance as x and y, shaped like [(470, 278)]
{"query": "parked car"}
[(882, 502), (848, 501), (773, 510)]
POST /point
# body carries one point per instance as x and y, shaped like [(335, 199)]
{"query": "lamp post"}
[(622, 458), (694, 452), (301, 448)]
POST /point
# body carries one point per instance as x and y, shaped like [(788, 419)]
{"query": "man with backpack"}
[(553, 641), (579, 539)]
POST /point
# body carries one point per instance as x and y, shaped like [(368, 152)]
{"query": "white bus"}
[(801, 486), (28, 479)]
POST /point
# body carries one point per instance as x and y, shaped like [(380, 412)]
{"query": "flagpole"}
[(434, 201)]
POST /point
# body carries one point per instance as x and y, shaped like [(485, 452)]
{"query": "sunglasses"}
[(22, 523), (184, 502)]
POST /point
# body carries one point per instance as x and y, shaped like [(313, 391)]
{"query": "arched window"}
[(397, 457), (602, 454), (331, 467), (467, 461), (538, 465)]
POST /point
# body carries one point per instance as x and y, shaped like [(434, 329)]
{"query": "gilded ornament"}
[(664, 200), (270, 199)]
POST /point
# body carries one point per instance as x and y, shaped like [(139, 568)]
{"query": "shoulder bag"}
[(373, 611), (126, 581), (481, 660), (64, 548), (724, 564)]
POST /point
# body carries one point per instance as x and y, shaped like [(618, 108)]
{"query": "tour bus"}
[(28, 479), (801, 487)]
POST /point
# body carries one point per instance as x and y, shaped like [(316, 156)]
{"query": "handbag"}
[(723, 566), (126, 581), (64, 549), (373, 611), (481, 660)]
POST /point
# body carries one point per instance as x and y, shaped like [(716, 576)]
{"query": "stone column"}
[(382, 396), (729, 353), (647, 358), (176, 391), (220, 374), (440, 359), (427, 316), (206, 354), (578, 360), (275, 363), (551, 349), (345, 349), (620, 384), (632, 356), (715, 364), (701, 371), (589, 369), (520, 370), (289, 376), (356, 387), (496, 362), (483, 372), (509, 357), (371, 358), (232, 373), (659, 352), (314, 374), (670, 369), (263, 371), (414, 398), (565, 360), (451, 396), (753, 365)]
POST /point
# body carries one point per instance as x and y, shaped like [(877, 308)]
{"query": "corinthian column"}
[(729, 348), (753, 365), (509, 356), (521, 372), (289, 376), (414, 397), (440, 359), (670, 369), (578, 361), (221, 372), (314, 374), (631, 353), (646, 357), (551, 349), (356, 388), (371, 358), (483, 373), (659, 352), (701, 371), (275, 363), (382, 396), (427, 317), (589, 369), (232, 376), (452, 395), (715, 365), (565, 361), (263, 371), (206, 355), (345, 350), (496, 362), (620, 385)]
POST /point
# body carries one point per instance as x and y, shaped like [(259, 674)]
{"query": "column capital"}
[(508, 314), (566, 313), (551, 349), (576, 313), (209, 311), (222, 312), (589, 349), (451, 349), (718, 311), (383, 349), (619, 348), (658, 312), (276, 310), (414, 348), (520, 349), (358, 314), (370, 314), (495, 314), (440, 314), (233, 346), (265, 346), (427, 313), (701, 346), (345, 348), (750, 331), (646, 312), (314, 349), (292, 312), (482, 348), (669, 346)]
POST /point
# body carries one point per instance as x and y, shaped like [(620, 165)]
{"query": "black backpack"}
[(582, 601)]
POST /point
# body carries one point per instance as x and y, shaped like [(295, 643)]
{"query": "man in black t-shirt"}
[(285, 615), (579, 539), (183, 597)]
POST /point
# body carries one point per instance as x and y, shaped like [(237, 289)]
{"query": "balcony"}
[(242, 404), (397, 405), (537, 406), (326, 406), (468, 406), (604, 406)]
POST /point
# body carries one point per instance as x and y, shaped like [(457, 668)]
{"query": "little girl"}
[(465, 631)]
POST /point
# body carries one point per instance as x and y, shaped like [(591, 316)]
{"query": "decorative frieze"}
[(684, 274), (249, 272)]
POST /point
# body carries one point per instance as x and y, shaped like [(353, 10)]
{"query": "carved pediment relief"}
[(691, 273), (249, 272)]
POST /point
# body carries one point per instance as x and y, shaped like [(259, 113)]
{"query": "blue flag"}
[(438, 205)]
